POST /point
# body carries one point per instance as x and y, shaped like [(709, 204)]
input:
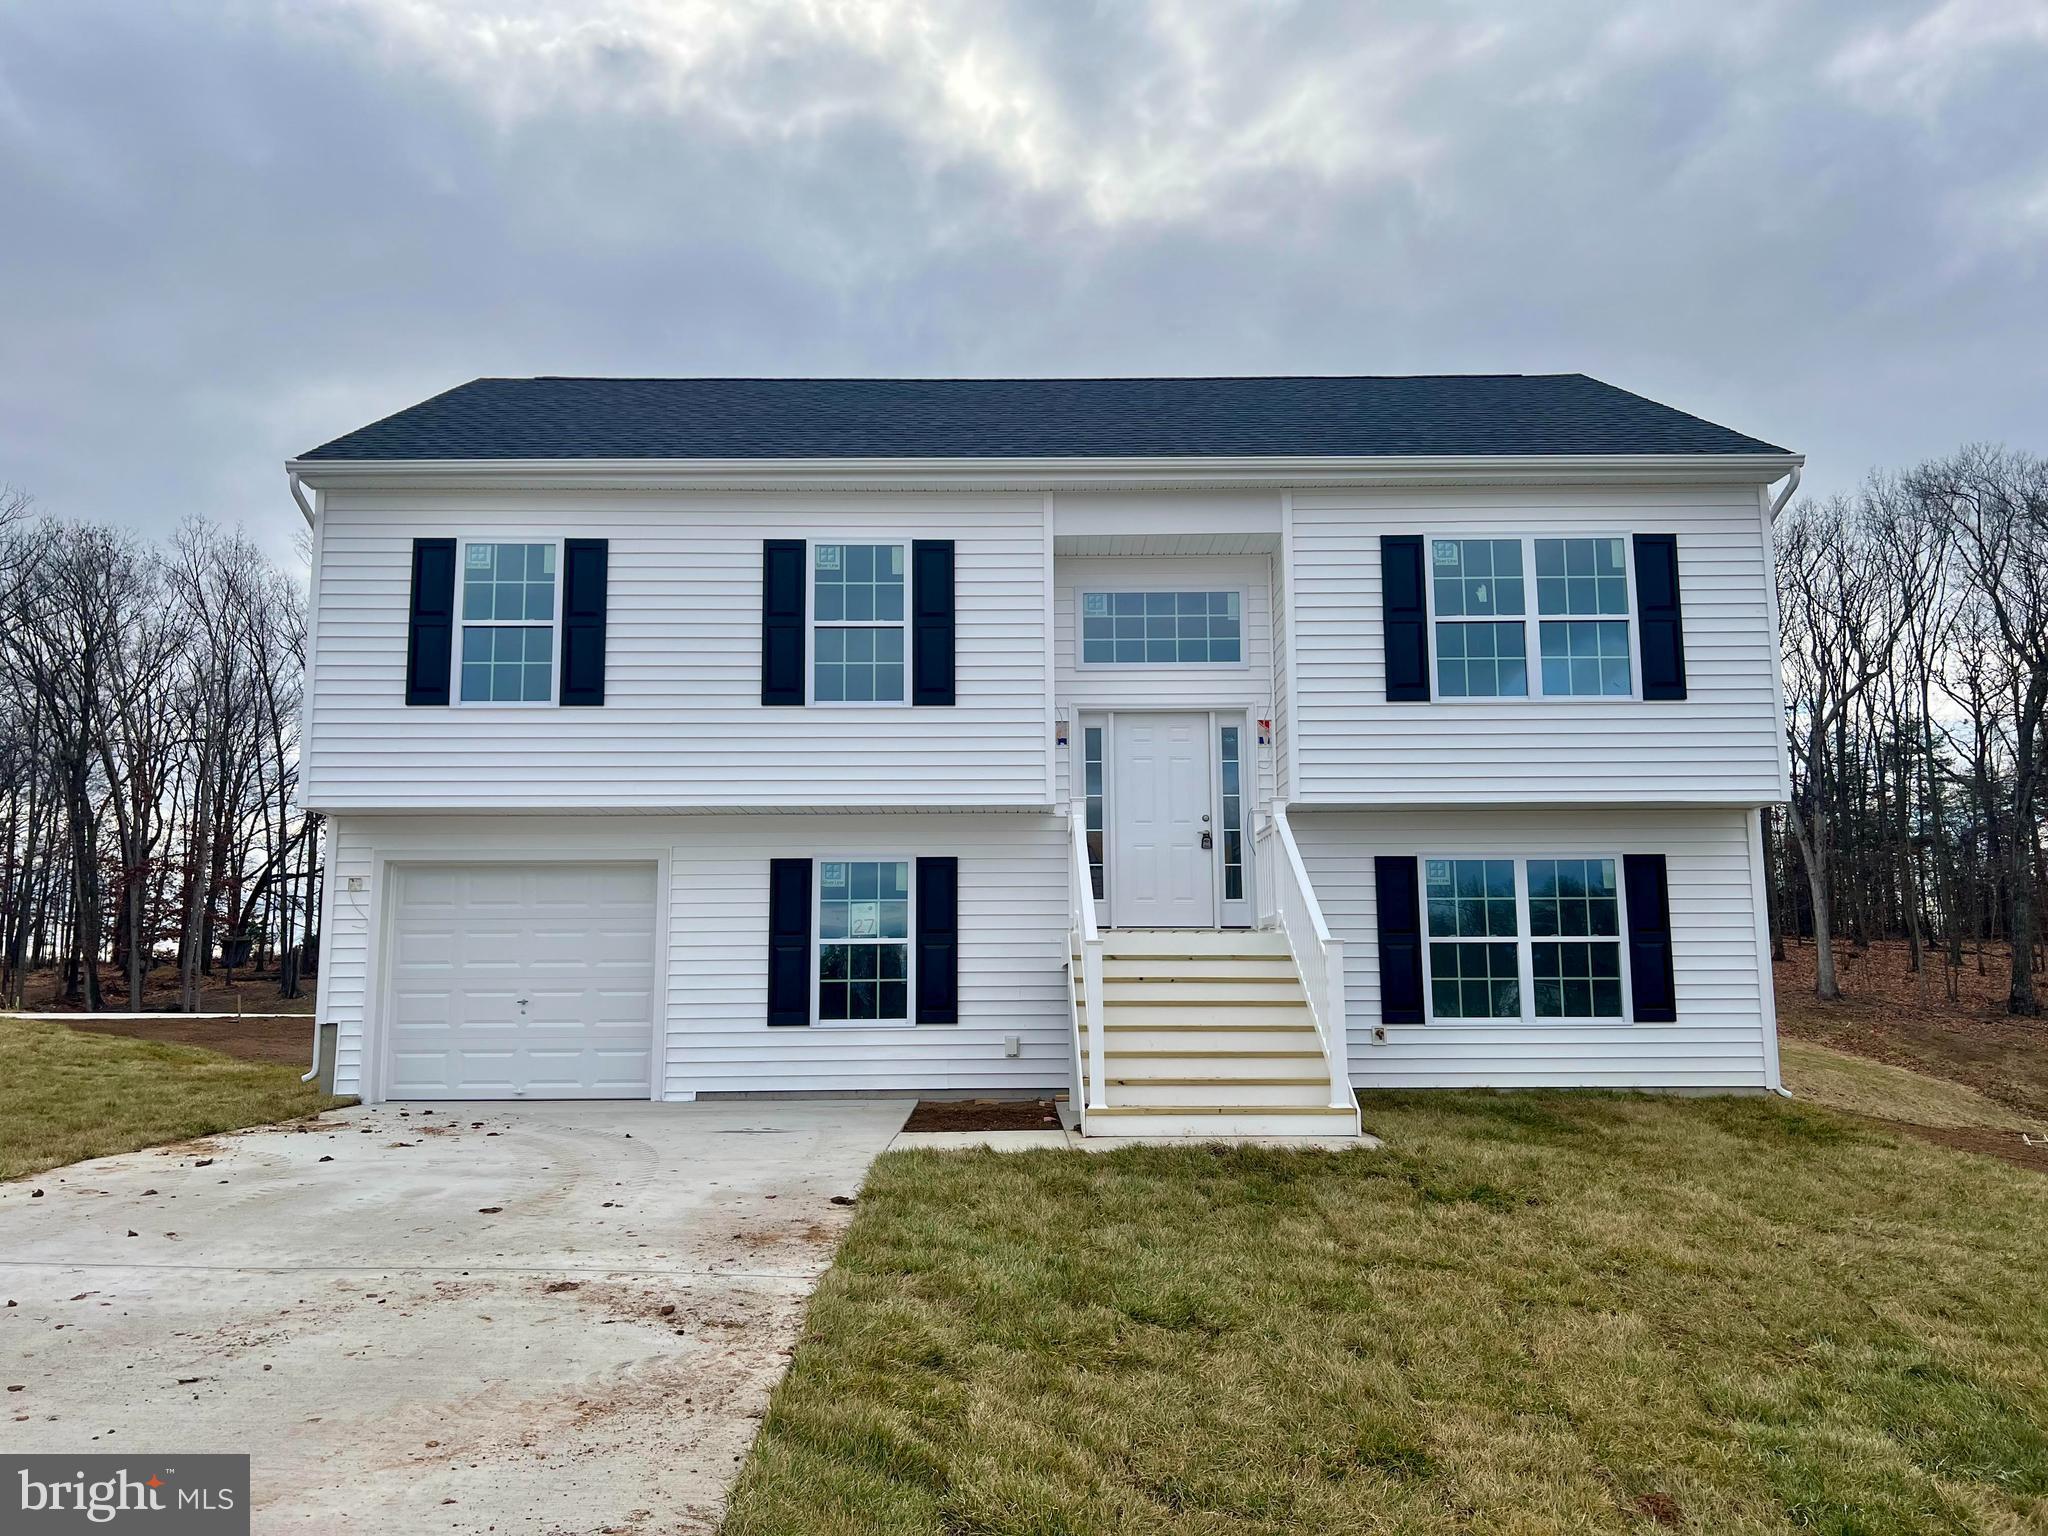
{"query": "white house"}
[(1200, 747)]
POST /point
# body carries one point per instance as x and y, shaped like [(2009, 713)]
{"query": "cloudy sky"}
[(231, 230)]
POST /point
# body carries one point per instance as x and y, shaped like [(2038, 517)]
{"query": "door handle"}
[(1208, 838)]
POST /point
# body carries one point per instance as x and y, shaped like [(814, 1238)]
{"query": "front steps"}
[(1207, 1034)]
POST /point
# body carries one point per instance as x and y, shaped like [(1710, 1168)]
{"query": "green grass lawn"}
[(66, 1095), (1528, 1313)]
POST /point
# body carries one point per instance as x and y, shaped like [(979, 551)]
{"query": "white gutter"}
[(1791, 485), (1041, 474)]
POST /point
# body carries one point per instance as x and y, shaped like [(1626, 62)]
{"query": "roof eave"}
[(1047, 473)]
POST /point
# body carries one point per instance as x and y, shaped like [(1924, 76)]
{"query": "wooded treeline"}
[(149, 703), (1914, 622)]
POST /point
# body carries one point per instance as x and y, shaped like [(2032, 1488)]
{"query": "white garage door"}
[(522, 981)]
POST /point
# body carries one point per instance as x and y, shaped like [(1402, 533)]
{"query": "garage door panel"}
[(523, 980)]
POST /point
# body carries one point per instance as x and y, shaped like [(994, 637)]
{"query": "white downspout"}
[(1777, 1084), (306, 511), (1777, 505)]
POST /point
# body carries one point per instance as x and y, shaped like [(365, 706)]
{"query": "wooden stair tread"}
[(1216, 1082), (1247, 1110), (1209, 1029), (1211, 1055)]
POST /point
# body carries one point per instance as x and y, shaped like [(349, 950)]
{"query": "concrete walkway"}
[(489, 1318)]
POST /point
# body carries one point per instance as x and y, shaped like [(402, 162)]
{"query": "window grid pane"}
[(1581, 576), (503, 664), (1476, 578), (1481, 661), (509, 583), (1474, 981), (1573, 898), (1091, 769), (1233, 839), (1577, 981), (1470, 898), (1161, 628), (861, 664), (863, 933), (1585, 657)]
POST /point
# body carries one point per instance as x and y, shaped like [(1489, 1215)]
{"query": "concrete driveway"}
[(487, 1318)]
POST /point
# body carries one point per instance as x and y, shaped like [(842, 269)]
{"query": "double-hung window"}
[(1481, 613), (508, 606), (1575, 932), (864, 940), (857, 623), (1474, 961), (1523, 938)]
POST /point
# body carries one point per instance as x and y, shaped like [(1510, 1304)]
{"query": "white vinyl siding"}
[(715, 1035), (1719, 1039), (682, 725), (1719, 745)]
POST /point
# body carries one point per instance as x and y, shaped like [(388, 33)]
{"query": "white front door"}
[(1159, 810)]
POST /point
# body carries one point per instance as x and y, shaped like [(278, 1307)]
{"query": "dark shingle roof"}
[(1447, 414)]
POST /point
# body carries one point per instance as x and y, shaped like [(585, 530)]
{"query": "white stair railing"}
[(1318, 956), (1085, 939)]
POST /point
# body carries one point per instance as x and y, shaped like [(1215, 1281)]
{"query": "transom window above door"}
[(507, 645), (1162, 628), (857, 623)]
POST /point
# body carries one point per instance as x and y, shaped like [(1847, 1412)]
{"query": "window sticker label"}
[(479, 556), (828, 557), (864, 919), (834, 874), (1445, 551)]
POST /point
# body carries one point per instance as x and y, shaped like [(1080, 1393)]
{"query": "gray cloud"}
[(234, 230)]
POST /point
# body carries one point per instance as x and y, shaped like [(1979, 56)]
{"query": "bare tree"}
[(1994, 503), (1837, 618)]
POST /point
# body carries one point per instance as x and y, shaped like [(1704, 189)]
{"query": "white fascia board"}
[(1040, 474)]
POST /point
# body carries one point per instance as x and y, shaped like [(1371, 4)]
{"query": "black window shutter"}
[(782, 621), (789, 941), (938, 941), (1399, 903), (585, 579), (1404, 619), (931, 621), (1661, 625), (1649, 938), (430, 636)]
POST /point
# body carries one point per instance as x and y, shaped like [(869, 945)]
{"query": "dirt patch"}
[(984, 1115), (257, 991), (282, 1042), (1890, 1013), (2007, 1146)]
